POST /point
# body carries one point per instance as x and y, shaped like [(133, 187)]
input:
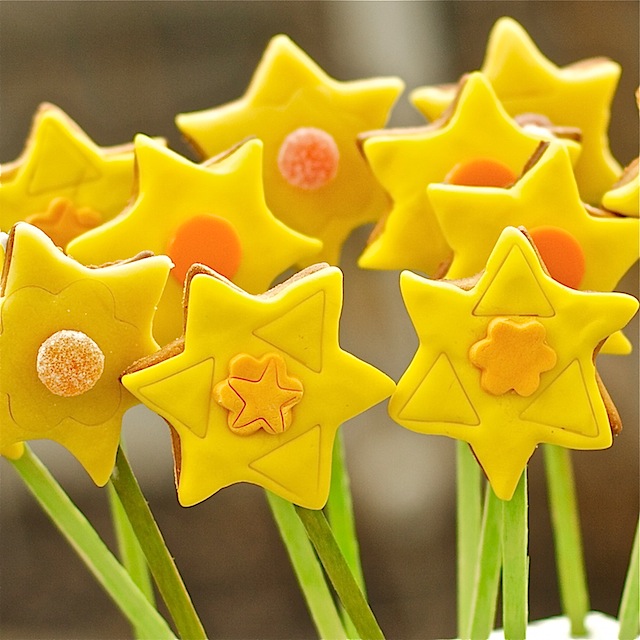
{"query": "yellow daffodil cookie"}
[(64, 183), (578, 95), (580, 249), (212, 213), (476, 142), (506, 362), (67, 332), (258, 386), (316, 179)]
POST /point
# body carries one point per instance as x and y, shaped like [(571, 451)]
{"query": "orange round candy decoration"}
[(308, 158), (481, 172), (209, 240), (69, 363), (561, 253)]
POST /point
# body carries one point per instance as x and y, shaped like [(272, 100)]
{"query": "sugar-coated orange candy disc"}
[(209, 240), (561, 253), (481, 172)]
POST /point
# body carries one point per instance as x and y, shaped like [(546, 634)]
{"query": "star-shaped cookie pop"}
[(580, 249), (67, 332), (578, 95), (258, 386), (212, 213), (476, 142), (64, 183), (316, 179), (507, 362)]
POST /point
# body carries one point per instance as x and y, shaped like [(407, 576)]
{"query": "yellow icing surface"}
[(298, 384), (624, 198), (525, 81), (406, 162), (172, 192), (46, 292), (61, 161), (289, 91), (442, 391), (472, 219)]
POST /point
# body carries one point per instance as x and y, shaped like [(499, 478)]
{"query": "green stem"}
[(162, 565), (469, 523), (307, 569), (565, 520), (339, 512), (629, 615), (109, 573), (487, 580), (131, 554), (337, 569), (515, 563)]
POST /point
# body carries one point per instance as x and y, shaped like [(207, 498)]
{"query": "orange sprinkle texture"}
[(209, 240), (561, 253), (481, 172), (309, 158), (69, 363)]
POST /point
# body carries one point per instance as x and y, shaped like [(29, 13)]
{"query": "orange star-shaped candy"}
[(259, 394)]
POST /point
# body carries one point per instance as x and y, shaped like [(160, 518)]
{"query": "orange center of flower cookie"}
[(481, 172), (561, 253), (308, 158), (69, 363), (512, 356), (209, 240)]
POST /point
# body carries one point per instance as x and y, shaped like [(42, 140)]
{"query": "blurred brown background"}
[(119, 68)]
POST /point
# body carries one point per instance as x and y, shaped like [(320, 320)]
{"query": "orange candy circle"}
[(481, 172), (309, 158), (561, 253), (69, 363), (209, 240)]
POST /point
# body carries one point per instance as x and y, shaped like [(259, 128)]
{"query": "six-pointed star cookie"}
[(258, 387), (316, 179), (578, 95), (67, 332), (476, 133), (212, 213), (61, 163), (580, 250), (508, 363)]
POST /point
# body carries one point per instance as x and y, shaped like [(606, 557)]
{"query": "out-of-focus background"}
[(119, 68)]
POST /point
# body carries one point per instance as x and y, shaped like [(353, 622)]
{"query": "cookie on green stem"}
[(506, 361)]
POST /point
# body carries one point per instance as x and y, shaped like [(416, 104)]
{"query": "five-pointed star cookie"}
[(578, 95), (61, 162), (67, 332), (316, 179), (475, 143), (212, 213), (258, 387), (507, 362)]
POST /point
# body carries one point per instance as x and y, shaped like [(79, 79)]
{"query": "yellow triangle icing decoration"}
[(295, 465), (187, 393), (514, 291), (565, 404), (298, 332), (61, 165), (440, 397)]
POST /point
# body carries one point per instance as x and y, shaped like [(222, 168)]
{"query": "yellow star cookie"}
[(507, 362), (624, 196), (580, 250), (212, 213), (258, 386), (578, 95), (476, 130), (316, 179), (61, 161), (67, 332)]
